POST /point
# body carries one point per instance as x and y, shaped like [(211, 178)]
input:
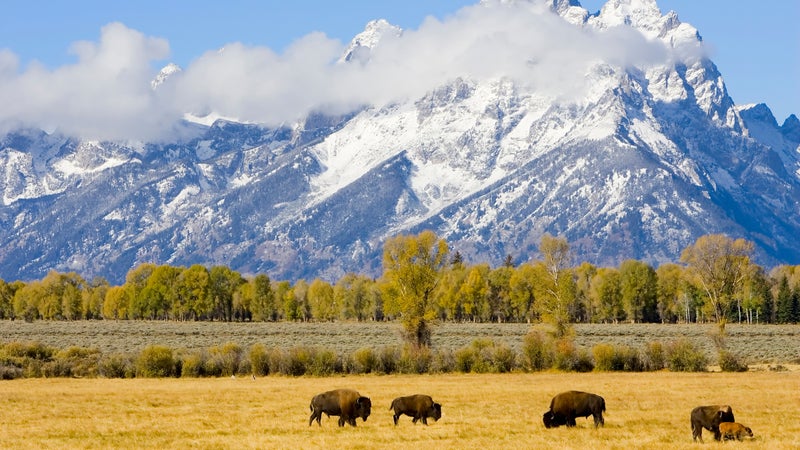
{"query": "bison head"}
[(363, 407), (551, 420), (437, 411), (726, 414)]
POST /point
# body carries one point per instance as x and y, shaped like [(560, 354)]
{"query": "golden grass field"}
[(644, 411)]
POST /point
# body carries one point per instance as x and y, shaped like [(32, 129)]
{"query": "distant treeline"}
[(634, 292)]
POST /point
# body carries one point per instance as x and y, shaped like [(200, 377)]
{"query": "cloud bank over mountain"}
[(106, 93)]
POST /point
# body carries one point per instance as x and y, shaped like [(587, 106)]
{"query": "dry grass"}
[(645, 410), (755, 343)]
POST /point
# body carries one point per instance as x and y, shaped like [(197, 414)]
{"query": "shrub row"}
[(539, 352)]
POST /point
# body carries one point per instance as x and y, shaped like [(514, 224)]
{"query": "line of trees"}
[(424, 282)]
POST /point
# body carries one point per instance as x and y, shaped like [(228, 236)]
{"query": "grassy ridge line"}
[(755, 343), (644, 410)]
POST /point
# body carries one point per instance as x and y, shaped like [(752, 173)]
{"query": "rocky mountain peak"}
[(639, 164), (363, 43)]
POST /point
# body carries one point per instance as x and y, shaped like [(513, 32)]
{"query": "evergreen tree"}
[(783, 313), (795, 306)]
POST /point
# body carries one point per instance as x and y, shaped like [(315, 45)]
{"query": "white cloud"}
[(107, 93), (104, 94)]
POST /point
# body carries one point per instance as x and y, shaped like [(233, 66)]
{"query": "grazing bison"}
[(345, 403), (709, 417), (566, 406), (734, 430), (418, 406)]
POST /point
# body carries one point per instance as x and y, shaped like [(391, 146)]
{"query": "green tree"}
[(673, 299), (162, 291), (784, 313), (474, 292), (263, 299), (583, 282), (136, 282), (295, 302), (115, 304), (192, 289), (222, 283), (26, 300), (718, 265), (243, 302), (92, 298), (606, 295), (499, 295), (7, 292), (754, 297), (521, 292), (412, 268), (639, 289), (556, 293), (322, 301), (352, 294), (447, 294), (283, 291)]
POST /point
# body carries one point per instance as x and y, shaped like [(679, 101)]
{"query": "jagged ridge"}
[(639, 168)]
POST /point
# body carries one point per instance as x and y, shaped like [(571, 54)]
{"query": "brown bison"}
[(734, 430), (709, 417), (345, 403), (418, 406), (566, 406)]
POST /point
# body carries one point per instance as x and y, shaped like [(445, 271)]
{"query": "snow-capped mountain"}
[(640, 164)]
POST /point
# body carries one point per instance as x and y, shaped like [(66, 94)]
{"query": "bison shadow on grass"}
[(566, 406)]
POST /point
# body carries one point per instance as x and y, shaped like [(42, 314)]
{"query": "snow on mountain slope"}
[(636, 163)]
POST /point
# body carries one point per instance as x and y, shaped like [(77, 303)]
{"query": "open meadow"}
[(644, 411), (757, 344)]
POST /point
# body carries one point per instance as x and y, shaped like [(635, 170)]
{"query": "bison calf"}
[(419, 407), (566, 406), (734, 430), (709, 417), (345, 403)]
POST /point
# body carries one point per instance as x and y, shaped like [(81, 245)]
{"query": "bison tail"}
[(392, 405), (604, 405)]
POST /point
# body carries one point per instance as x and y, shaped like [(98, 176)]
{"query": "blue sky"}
[(755, 44)]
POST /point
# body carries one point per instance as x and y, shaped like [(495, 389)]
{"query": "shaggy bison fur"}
[(345, 403), (418, 406), (566, 406), (709, 417), (734, 430)]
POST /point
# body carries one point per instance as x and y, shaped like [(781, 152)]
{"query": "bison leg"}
[(697, 432), (424, 420), (341, 421), (395, 417), (571, 422), (598, 420), (314, 415)]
